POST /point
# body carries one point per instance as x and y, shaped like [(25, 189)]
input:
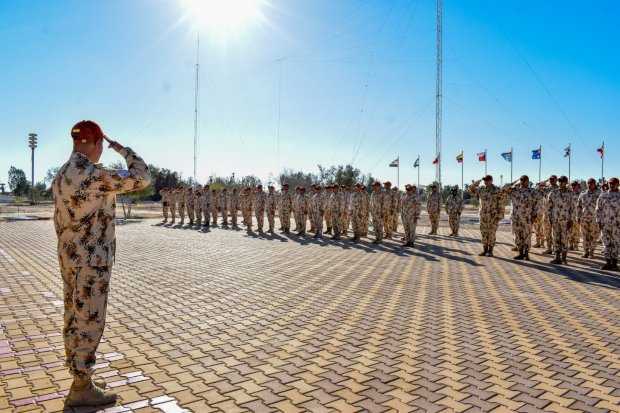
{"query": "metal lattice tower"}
[(196, 108), (438, 96)]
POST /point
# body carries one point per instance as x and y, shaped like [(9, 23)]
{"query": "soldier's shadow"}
[(444, 252), (574, 274)]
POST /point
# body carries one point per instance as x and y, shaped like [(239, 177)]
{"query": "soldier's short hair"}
[(614, 179), (563, 179), (553, 177), (487, 178), (591, 180), (524, 178)]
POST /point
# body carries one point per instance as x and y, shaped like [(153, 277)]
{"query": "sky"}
[(316, 82)]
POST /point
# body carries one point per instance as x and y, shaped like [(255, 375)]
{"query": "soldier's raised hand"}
[(113, 144)]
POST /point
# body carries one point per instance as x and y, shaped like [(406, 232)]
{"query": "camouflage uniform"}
[(198, 205), (539, 221), (490, 211), (259, 208), (365, 212), (303, 212), (189, 204), (224, 201), (388, 213), (172, 199), (234, 206), (357, 214), (346, 211), (181, 200), (328, 213), (376, 212), (547, 226), (285, 207), (524, 206), (410, 210), (206, 205), (165, 202), (396, 197), (214, 206), (84, 215), (433, 207), (454, 208), (248, 206), (608, 219), (317, 209), (586, 215), (560, 209), (575, 231), (334, 204), (270, 206)]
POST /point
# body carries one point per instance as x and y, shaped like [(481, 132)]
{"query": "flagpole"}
[(398, 172), (418, 172), (570, 154), (603, 162), (511, 158), (462, 163), (539, 162), (485, 162)]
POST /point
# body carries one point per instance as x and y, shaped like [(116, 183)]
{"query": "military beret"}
[(387, 183), (86, 130), (376, 183), (487, 178)]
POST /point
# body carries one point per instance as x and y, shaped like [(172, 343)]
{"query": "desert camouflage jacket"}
[(85, 207), (454, 204), (286, 202), (433, 203), (410, 207), (586, 205), (608, 209), (560, 206)]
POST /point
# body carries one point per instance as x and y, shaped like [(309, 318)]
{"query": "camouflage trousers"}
[(182, 212), (488, 230), (575, 234), (271, 219), (198, 213), (214, 215), (233, 217), (561, 234), (316, 219), (336, 223), (165, 209), (344, 223), (611, 241), (539, 228), (409, 226), (377, 225), (365, 220), (589, 232), (285, 220), (190, 212), (395, 222), (328, 220), (434, 217), (247, 217), (454, 220), (303, 218), (260, 218), (522, 229), (387, 225), (548, 230), (173, 212), (357, 224), (206, 214), (86, 298)]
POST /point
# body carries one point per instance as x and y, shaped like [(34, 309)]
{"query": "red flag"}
[(601, 150), (436, 161), (482, 156)]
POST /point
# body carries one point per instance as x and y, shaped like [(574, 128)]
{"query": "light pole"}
[(32, 144)]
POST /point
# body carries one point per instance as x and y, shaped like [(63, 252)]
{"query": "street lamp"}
[(32, 144)]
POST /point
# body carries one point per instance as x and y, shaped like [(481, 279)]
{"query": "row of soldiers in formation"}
[(558, 215)]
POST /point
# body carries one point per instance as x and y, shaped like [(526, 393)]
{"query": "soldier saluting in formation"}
[(490, 212), (524, 209), (84, 215), (608, 219)]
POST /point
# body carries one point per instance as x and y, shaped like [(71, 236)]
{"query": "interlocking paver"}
[(221, 321)]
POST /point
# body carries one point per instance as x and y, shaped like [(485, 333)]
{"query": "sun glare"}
[(224, 17)]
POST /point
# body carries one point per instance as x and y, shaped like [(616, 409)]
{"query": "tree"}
[(297, 178), (18, 183), (50, 175)]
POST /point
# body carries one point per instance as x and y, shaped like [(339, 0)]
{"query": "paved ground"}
[(221, 321)]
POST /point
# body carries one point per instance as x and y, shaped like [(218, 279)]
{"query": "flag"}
[(416, 164), (601, 150), (507, 156), (482, 156), (567, 151), (436, 161), (536, 153), (459, 157), (394, 163)]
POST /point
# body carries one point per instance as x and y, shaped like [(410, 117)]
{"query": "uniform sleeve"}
[(599, 210), (113, 181), (579, 211)]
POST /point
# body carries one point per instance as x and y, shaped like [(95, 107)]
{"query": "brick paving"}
[(222, 321)]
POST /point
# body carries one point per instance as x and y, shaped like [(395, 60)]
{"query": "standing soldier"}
[(608, 219), (365, 210), (84, 216), (234, 206), (249, 206), (313, 188), (346, 207), (259, 207), (303, 210), (317, 209), (387, 209), (327, 194), (198, 205), (410, 213), (376, 211), (215, 200), (547, 227), (523, 214), (295, 205), (270, 206), (286, 204), (575, 232), (357, 212), (539, 221), (433, 208), (181, 201), (586, 217), (334, 204), (489, 211), (395, 208), (165, 203), (224, 201), (172, 199), (560, 209), (206, 206), (454, 208), (189, 204)]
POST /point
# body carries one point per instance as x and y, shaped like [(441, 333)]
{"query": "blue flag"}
[(507, 156), (536, 153)]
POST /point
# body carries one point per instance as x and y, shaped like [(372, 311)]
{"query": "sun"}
[(224, 17)]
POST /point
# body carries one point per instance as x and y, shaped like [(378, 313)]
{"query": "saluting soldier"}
[(539, 221), (206, 205), (575, 232), (357, 212), (303, 211), (388, 212), (181, 200), (608, 219), (270, 207), (376, 211), (396, 197), (560, 209), (410, 209), (433, 208), (366, 210), (524, 211), (259, 207), (84, 215), (317, 209), (234, 206), (189, 204), (285, 207), (547, 226), (198, 205), (490, 212), (586, 216), (454, 208)]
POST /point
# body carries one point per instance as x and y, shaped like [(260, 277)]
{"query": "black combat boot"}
[(521, 254), (557, 259), (608, 265), (614, 264), (490, 252), (564, 257), (526, 253), (484, 252)]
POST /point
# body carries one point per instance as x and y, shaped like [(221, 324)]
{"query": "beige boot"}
[(84, 392)]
